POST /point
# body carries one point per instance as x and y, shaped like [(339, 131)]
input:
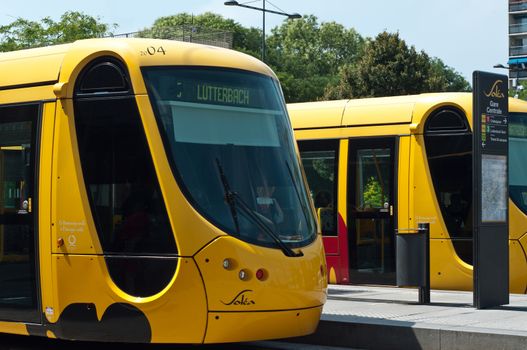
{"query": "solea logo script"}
[(495, 90), (241, 299)]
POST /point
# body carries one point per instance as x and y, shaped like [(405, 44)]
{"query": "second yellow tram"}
[(379, 165)]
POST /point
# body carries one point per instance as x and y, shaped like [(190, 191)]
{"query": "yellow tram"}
[(377, 165), (151, 192)]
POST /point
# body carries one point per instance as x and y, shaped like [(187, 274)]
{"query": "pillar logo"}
[(495, 91)]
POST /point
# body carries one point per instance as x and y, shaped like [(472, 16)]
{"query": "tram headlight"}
[(244, 275), (227, 264)]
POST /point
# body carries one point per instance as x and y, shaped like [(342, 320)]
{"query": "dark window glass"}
[(370, 209), (518, 159), (450, 162), (18, 298), (228, 130), (140, 276), (320, 161), (124, 193), (447, 119), (105, 75)]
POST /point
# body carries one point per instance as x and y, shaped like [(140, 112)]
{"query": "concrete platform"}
[(367, 317)]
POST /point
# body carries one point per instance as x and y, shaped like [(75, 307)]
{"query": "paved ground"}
[(391, 318), (363, 317), (13, 342)]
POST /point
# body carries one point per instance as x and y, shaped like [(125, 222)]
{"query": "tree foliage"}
[(444, 78), (244, 39), (388, 67), (306, 55), (313, 60), (373, 194), (519, 91), (22, 33)]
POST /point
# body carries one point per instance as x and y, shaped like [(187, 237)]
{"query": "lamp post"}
[(264, 10)]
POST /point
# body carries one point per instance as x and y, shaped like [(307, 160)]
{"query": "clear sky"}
[(466, 34)]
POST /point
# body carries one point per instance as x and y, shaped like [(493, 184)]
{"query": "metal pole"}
[(263, 33), (424, 291)]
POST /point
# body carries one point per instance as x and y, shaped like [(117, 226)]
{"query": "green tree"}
[(444, 78), (388, 67), (520, 91), (306, 55), (22, 33), (373, 195), (244, 39)]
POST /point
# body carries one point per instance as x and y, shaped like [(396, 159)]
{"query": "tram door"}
[(371, 210), (18, 291)]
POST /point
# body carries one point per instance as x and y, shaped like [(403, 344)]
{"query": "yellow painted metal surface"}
[(322, 114), (138, 53), (403, 181), (178, 314), (518, 268), (447, 270), (342, 185), (332, 276), (241, 326), (517, 221), (37, 93), (31, 66), (44, 208), (71, 219), (13, 328), (288, 283), (379, 111)]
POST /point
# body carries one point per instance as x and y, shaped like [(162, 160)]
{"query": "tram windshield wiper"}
[(230, 199), (235, 201)]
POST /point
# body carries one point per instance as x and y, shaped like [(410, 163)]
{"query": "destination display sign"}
[(213, 87), (223, 94), (490, 186), (213, 93)]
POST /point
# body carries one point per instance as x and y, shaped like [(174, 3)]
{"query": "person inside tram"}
[(267, 204), (323, 200), (325, 211), (456, 212)]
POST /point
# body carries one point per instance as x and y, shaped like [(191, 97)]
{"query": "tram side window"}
[(124, 193), (449, 153), (518, 159), (320, 161)]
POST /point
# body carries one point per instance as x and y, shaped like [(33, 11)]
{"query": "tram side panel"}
[(86, 301), (45, 226), (448, 271), (403, 184)]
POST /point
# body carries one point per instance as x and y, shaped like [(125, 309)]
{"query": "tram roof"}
[(381, 110), (60, 63)]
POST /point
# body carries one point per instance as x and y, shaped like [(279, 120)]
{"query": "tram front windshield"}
[(231, 149), (518, 159)]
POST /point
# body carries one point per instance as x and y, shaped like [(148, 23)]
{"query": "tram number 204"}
[(152, 50)]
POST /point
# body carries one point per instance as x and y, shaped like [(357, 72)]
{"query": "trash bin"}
[(410, 259), (412, 262)]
